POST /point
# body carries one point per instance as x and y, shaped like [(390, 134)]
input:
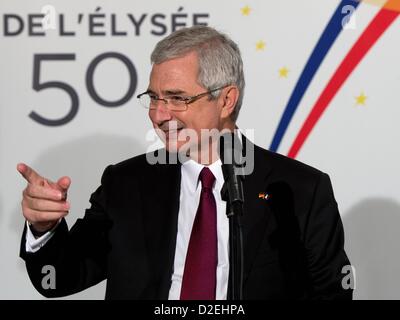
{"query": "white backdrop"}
[(354, 141)]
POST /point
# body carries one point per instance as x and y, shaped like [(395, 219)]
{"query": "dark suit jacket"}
[(293, 241)]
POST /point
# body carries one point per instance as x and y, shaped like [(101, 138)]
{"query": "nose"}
[(160, 113)]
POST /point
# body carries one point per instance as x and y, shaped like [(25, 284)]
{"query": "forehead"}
[(177, 72)]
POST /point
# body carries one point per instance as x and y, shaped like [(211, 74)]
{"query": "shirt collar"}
[(191, 169)]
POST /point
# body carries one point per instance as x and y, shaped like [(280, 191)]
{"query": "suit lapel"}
[(170, 188), (256, 211), (160, 215)]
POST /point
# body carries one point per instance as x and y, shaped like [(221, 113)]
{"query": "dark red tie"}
[(200, 275)]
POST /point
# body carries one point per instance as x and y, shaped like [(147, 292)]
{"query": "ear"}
[(228, 100)]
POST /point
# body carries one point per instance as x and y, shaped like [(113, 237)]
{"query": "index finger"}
[(28, 173)]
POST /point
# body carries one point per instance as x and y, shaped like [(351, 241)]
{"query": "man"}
[(160, 231)]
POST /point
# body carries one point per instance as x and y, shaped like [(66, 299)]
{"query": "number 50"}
[(73, 110)]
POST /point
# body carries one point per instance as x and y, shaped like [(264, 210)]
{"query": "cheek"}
[(206, 120), (201, 117)]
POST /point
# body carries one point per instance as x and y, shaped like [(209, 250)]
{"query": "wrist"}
[(40, 231)]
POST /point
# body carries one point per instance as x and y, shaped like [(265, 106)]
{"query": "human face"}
[(179, 76)]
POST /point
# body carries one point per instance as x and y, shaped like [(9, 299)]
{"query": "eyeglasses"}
[(174, 102)]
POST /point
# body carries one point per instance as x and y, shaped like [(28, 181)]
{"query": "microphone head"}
[(230, 152), (230, 148)]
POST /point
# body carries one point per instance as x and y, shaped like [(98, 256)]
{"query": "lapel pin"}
[(263, 195)]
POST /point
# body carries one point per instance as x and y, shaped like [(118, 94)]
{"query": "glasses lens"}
[(173, 104), (145, 101), (176, 103)]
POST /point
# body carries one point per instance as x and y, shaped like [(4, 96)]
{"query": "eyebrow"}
[(172, 92), (168, 92)]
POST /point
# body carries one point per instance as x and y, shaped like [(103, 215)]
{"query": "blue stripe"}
[(325, 42)]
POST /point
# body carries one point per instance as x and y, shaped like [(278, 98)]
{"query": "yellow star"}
[(283, 72), (245, 10), (260, 45), (360, 100)]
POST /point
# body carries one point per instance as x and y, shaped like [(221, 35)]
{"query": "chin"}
[(182, 147), (173, 145)]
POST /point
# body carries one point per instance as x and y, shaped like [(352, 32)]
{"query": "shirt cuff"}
[(32, 244)]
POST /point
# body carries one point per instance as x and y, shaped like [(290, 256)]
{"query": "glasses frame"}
[(187, 100)]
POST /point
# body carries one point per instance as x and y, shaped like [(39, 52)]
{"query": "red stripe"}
[(372, 33)]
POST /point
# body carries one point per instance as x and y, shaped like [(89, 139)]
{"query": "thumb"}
[(63, 183)]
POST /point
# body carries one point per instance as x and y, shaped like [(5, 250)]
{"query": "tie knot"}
[(207, 178)]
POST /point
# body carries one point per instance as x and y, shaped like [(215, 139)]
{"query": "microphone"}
[(230, 153)]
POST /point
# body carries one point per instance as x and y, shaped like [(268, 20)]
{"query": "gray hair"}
[(220, 62)]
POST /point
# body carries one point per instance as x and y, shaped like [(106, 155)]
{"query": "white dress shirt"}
[(189, 201)]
